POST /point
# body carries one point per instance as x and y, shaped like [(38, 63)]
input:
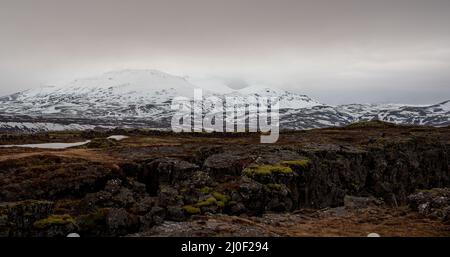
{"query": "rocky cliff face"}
[(137, 184)]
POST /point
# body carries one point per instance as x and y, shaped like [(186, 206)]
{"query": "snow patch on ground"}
[(117, 137), (50, 145)]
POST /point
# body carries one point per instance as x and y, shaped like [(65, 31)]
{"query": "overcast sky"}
[(336, 51)]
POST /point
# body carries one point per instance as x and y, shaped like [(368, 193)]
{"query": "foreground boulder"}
[(433, 203)]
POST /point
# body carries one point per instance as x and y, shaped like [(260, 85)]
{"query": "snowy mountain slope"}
[(141, 98), (113, 94), (287, 100), (127, 93), (434, 115)]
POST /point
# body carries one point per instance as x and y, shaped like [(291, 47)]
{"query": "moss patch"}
[(221, 197), (191, 209), (210, 201), (275, 186), (297, 164), (267, 169), (283, 167), (54, 220), (205, 190)]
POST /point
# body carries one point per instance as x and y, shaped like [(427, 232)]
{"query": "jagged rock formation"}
[(152, 177)]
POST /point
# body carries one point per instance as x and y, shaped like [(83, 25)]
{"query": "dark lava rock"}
[(92, 201), (51, 177), (124, 198), (165, 171), (252, 195), (434, 203), (355, 202), (154, 217), (131, 169), (17, 218), (389, 171), (237, 208), (226, 165), (169, 196), (175, 213), (113, 185), (112, 196), (157, 183), (144, 205), (107, 222), (120, 222)]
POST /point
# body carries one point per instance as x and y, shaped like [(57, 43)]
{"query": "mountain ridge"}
[(141, 98)]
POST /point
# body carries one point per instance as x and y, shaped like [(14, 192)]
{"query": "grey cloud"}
[(337, 51)]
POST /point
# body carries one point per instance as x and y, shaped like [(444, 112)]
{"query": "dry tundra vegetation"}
[(351, 181)]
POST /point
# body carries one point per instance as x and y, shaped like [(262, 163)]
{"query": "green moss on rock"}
[(274, 186), (283, 167), (209, 201), (191, 209), (205, 190), (267, 169), (297, 164), (221, 197), (54, 220)]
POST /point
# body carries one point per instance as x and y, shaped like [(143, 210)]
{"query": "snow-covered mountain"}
[(129, 93), (141, 98)]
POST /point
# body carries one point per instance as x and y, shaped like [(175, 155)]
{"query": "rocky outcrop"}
[(51, 177), (53, 195), (226, 165), (391, 171), (257, 179), (432, 203), (17, 218)]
